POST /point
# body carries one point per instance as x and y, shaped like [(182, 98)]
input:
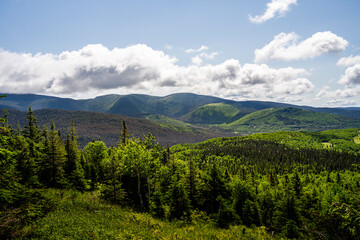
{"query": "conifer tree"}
[(297, 185), (73, 169), (9, 185), (29, 146), (124, 133), (54, 159), (215, 187), (31, 130), (179, 200)]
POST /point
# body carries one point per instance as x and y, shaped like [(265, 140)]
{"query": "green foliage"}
[(83, 216), (104, 126), (18, 222), (287, 183), (52, 166), (73, 169), (213, 113), (179, 205), (171, 123), (290, 119), (96, 155)]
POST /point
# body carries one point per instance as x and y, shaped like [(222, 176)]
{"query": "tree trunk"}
[(149, 193), (139, 188)]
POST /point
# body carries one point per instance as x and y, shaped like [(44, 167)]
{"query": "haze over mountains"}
[(176, 118)]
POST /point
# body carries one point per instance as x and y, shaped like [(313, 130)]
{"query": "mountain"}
[(290, 118), (107, 127), (214, 113), (136, 105), (188, 107), (185, 117)]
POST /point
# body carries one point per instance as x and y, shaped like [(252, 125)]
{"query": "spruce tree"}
[(73, 169), (124, 133), (31, 130), (30, 151), (54, 159)]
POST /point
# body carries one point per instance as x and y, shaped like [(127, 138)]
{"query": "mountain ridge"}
[(176, 118), (175, 105)]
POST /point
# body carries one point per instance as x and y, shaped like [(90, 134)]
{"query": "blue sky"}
[(303, 52)]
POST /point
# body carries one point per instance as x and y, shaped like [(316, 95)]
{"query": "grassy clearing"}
[(327, 145), (357, 139), (83, 216)]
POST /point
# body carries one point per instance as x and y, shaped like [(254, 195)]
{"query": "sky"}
[(302, 52)]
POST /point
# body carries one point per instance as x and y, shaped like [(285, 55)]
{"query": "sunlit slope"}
[(213, 113), (290, 118)]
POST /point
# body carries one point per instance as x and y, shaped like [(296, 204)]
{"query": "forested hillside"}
[(284, 184), (106, 127), (291, 119)]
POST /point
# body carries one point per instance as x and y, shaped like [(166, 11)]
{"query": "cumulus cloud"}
[(349, 61), (274, 8), (286, 47), (351, 76), (351, 81), (96, 70)]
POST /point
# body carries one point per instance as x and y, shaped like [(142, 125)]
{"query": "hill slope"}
[(290, 118), (107, 127), (213, 113)]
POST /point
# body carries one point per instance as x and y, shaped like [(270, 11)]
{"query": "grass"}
[(357, 139), (83, 216), (327, 145)]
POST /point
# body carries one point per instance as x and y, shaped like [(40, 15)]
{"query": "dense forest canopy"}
[(295, 185)]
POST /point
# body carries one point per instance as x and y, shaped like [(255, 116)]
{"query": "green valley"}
[(93, 175)]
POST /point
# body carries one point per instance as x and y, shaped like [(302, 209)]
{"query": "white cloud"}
[(197, 60), (211, 55), (274, 8), (202, 53), (349, 61), (351, 76), (339, 93), (342, 102), (351, 81), (286, 47), (96, 70), (201, 49)]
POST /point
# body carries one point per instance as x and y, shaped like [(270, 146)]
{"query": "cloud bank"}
[(274, 8), (286, 47), (350, 79), (97, 70)]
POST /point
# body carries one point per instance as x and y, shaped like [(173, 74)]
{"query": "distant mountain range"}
[(183, 115), (178, 105)]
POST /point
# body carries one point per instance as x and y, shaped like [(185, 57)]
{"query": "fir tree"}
[(124, 133), (31, 130), (54, 159), (73, 169)]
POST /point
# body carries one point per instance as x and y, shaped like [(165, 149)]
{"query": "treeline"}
[(294, 193)]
